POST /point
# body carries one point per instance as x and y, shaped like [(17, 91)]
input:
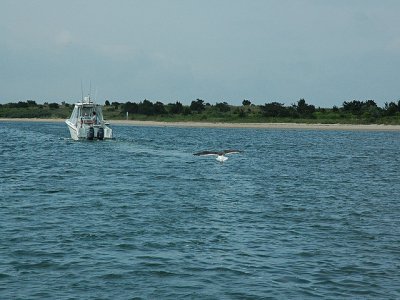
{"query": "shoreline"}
[(317, 126)]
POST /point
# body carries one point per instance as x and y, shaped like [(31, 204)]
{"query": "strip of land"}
[(300, 126)]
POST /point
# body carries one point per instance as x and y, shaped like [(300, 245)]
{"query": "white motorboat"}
[(86, 122)]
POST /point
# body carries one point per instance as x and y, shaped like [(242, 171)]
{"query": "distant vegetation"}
[(352, 112), (30, 109)]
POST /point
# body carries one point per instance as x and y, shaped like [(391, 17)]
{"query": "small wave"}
[(4, 276), (126, 246), (112, 276), (45, 264)]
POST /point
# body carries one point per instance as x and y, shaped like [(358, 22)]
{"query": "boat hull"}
[(81, 132)]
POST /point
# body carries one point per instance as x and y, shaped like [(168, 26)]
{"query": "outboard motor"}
[(90, 133), (100, 133)]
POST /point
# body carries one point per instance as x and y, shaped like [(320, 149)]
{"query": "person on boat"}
[(94, 118)]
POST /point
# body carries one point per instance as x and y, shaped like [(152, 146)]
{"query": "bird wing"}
[(206, 153), (231, 151)]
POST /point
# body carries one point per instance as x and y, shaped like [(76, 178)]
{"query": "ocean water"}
[(300, 214)]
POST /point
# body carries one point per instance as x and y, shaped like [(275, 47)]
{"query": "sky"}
[(323, 51)]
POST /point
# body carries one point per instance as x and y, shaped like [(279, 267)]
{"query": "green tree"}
[(176, 108), (303, 109), (359, 108), (223, 107), (391, 108), (116, 104), (370, 103), (246, 102), (159, 108), (274, 109), (146, 108), (197, 106), (31, 103), (354, 107), (54, 105), (131, 108), (20, 104)]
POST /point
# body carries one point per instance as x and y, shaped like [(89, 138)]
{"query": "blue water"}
[(298, 215)]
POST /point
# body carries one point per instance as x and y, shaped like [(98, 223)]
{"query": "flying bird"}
[(220, 154)]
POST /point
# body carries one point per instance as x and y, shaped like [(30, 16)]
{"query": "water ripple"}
[(297, 215)]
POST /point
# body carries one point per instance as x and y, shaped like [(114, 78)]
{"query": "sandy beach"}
[(370, 127)]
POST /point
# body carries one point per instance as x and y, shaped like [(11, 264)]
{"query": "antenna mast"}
[(82, 90)]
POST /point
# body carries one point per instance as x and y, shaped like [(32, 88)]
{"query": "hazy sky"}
[(323, 51)]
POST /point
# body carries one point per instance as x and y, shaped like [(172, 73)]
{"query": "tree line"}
[(30, 109), (364, 111), (301, 109)]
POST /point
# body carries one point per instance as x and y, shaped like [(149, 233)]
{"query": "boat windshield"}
[(82, 111)]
